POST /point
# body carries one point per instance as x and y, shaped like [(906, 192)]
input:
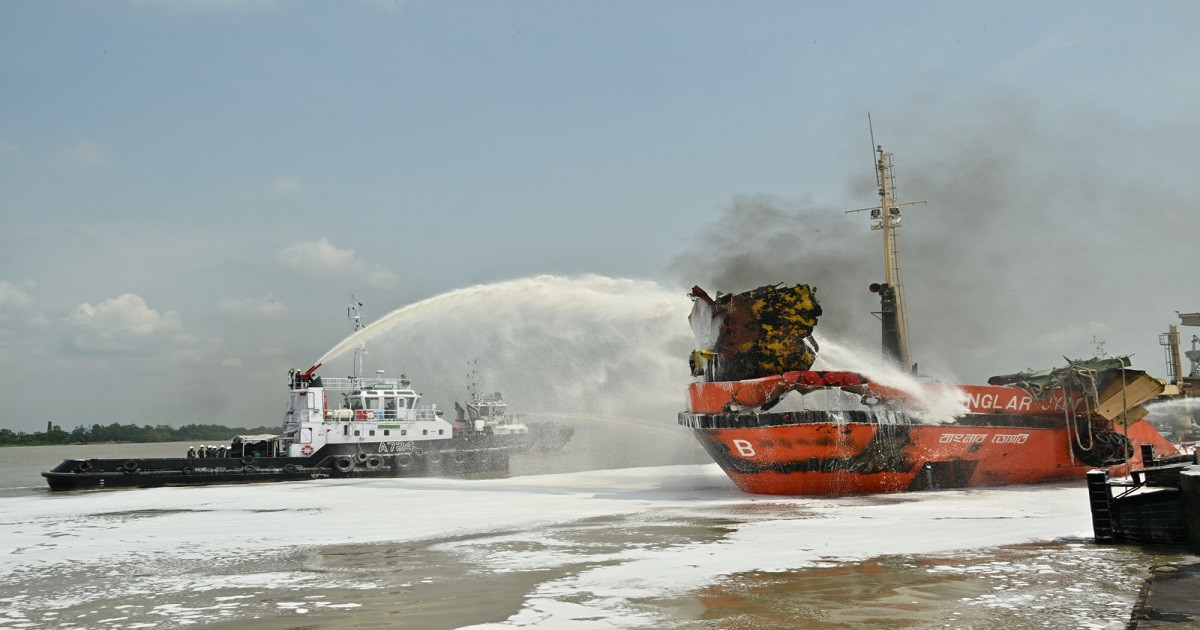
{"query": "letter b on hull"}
[(744, 448)]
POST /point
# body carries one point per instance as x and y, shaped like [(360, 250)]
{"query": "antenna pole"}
[(887, 218), (871, 128), (354, 312), (473, 386), (887, 201)]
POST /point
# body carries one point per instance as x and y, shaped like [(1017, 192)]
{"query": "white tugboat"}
[(488, 414), (332, 427)]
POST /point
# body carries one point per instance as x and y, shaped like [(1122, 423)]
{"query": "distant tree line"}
[(98, 434)]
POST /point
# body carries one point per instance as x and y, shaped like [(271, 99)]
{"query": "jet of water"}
[(938, 402), (607, 355), (548, 343)]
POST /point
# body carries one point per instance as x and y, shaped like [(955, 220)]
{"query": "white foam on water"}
[(127, 533)]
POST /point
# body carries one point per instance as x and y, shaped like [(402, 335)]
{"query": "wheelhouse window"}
[(365, 401)]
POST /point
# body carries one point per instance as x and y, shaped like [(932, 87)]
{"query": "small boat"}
[(776, 426), (488, 414), (378, 428)]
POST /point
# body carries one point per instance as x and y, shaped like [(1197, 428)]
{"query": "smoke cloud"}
[(1036, 238)]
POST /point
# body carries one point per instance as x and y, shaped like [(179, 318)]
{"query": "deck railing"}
[(384, 415), (345, 383)]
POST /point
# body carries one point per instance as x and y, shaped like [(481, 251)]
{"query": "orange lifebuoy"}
[(307, 450), (370, 415)]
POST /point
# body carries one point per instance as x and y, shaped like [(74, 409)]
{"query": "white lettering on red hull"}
[(962, 438), (981, 402), (744, 448), (980, 438)]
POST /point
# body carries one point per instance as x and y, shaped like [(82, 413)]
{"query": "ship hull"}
[(851, 458), (333, 461)]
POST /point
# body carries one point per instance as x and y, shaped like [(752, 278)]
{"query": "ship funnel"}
[(890, 323)]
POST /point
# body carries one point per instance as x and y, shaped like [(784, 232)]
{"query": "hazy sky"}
[(192, 190)]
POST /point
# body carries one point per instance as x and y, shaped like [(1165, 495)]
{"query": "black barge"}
[(1158, 504), (477, 460)]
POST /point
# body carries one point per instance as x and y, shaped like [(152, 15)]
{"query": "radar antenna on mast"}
[(886, 217), (473, 379), (354, 313)]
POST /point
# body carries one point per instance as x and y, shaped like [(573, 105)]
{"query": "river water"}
[(671, 546)]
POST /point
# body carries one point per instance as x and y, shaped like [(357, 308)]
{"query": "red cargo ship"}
[(778, 427)]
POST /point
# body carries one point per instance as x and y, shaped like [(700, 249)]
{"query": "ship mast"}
[(473, 385), (887, 217), (354, 312)]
